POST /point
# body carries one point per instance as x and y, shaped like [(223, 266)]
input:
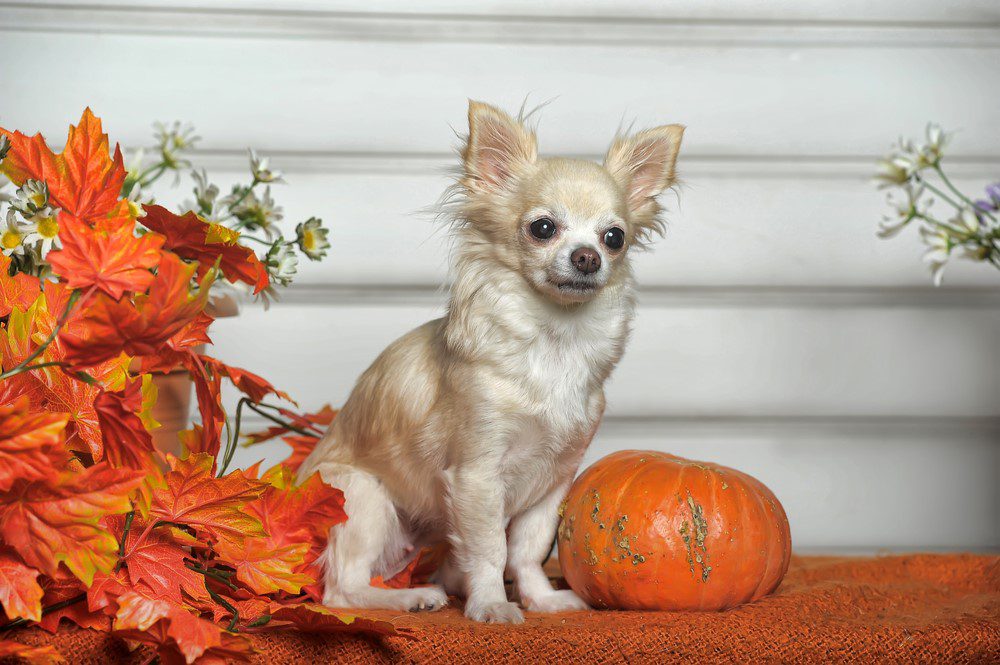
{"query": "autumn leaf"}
[(50, 388), (20, 593), (127, 443), (43, 655), (191, 237), (213, 506), (312, 618), (156, 564), (264, 568), (109, 256), (31, 444), (59, 522), (18, 291), (64, 588), (302, 447), (107, 327), (174, 630), (248, 383), (315, 422), (84, 180)]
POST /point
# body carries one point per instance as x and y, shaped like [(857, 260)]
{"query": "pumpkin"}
[(644, 530)]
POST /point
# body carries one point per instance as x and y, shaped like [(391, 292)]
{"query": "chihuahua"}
[(470, 428)]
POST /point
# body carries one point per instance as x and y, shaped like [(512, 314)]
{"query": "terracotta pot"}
[(174, 390)]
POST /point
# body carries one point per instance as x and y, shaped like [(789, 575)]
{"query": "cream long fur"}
[(471, 427)]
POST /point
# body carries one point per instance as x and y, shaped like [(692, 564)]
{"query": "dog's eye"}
[(543, 228), (614, 238)]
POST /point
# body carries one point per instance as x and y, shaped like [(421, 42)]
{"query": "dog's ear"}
[(643, 164), (498, 149)]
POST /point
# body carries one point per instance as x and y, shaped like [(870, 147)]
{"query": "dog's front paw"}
[(556, 601), (494, 612)]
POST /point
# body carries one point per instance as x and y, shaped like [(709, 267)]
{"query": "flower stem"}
[(25, 364), (246, 193), (959, 194), (222, 601), (256, 408), (945, 197)]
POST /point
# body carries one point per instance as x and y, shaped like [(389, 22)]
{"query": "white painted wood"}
[(701, 361), (846, 486), (729, 226), (395, 96), (888, 11)]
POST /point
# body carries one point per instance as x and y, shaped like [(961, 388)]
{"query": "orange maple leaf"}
[(108, 256), (178, 635), (84, 180), (18, 291), (107, 327), (49, 523), (62, 588), (191, 237), (212, 506), (263, 567), (20, 593), (31, 445), (50, 388), (312, 618)]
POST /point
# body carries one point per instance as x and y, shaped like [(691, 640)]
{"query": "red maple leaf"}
[(107, 327), (18, 291), (248, 383), (62, 588), (191, 237), (31, 445), (155, 563), (127, 443), (108, 256), (212, 506), (49, 523), (84, 180), (302, 447), (20, 593)]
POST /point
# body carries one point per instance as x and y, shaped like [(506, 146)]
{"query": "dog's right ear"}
[(499, 148)]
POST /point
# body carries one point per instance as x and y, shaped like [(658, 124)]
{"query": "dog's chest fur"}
[(544, 370)]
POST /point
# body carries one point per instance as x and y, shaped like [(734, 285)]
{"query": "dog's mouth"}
[(575, 286)]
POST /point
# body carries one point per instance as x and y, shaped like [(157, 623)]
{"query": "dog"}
[(470, 428)]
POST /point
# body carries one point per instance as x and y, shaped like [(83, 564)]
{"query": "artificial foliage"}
[(97, 527)]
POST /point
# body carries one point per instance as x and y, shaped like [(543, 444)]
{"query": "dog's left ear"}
[(643, 165), (498, 149)]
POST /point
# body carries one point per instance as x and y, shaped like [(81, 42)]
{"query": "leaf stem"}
[(222, 601), (253, 406), (129, 516), (232, 442), (55, 607), (246, 193)]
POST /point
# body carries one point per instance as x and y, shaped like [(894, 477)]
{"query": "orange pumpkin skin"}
[(643, 530)]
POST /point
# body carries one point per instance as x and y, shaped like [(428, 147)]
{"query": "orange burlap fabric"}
[(916, 608)]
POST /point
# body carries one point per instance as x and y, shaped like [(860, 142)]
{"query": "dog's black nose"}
[(586, 260)]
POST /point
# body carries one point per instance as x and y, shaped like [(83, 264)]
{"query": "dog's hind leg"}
[(371, 542)]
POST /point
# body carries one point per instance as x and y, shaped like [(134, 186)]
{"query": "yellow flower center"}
[(309, 240), (10, 239), (48, 228), (38, 199)]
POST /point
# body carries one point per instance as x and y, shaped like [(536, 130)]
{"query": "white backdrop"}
[(776, 333)]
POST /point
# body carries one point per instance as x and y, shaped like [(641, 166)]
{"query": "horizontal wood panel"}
[(549, 23), (727, 361), (384, 95), (886, 11), (845, 486), (729, 225)]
